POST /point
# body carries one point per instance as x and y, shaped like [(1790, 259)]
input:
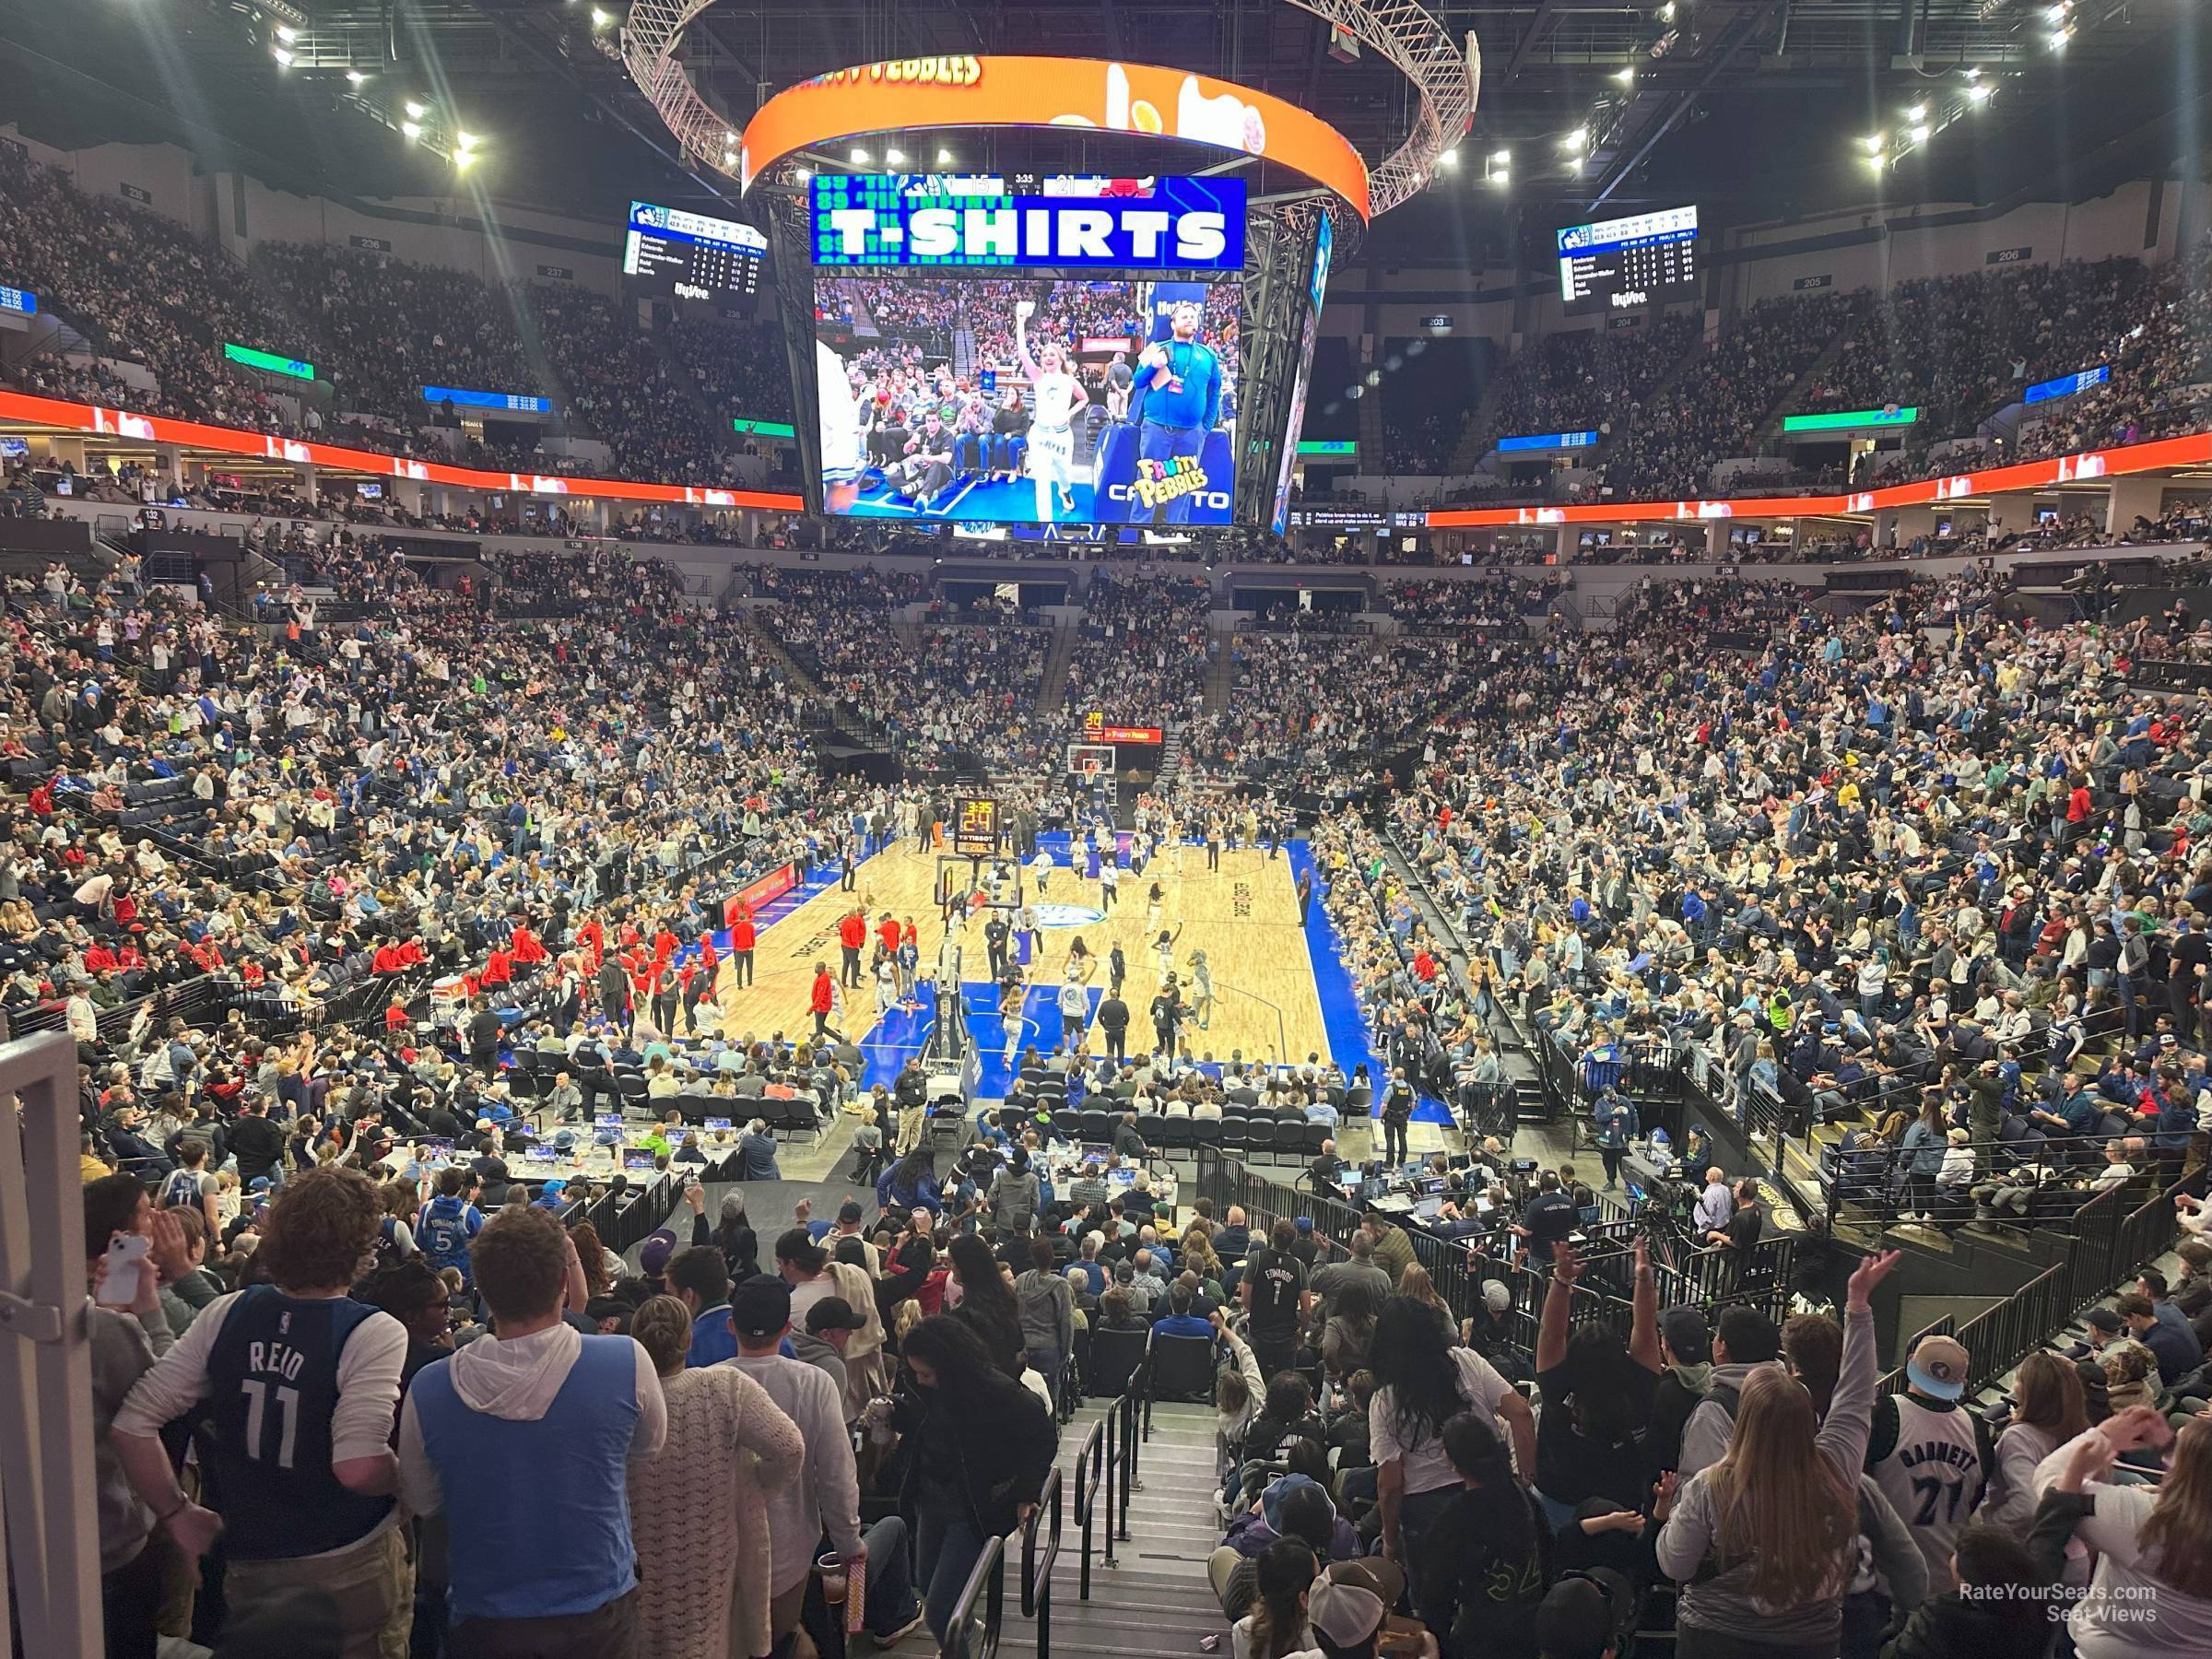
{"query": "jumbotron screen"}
[(984, 354), (1619, 264), (688, 255)]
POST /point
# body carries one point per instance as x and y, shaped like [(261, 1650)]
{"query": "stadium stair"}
[(772, 647), (1054, 689), (1221, 674), (1157, 1603), (1764, 434), (1171, 761)]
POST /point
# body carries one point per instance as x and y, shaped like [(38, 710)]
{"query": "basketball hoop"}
[(1091, 769)]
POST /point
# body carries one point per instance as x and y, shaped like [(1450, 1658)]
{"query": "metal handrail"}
[(1037, 1563), (988, 1580), (1091, 1471)]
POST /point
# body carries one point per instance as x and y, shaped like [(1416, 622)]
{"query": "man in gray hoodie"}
[(1745, 1339)]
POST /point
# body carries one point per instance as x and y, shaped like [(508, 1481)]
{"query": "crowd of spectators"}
[(379, 329)]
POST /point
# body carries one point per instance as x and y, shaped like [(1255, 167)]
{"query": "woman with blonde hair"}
[(2048, 1410), (2151, 1597), (1415, 1285), (1764, 1542), (699, 1508)]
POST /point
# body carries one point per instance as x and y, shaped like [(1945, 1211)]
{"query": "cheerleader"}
[(1163, 954), (1154, 898), (1011, 995), (1082, 967)]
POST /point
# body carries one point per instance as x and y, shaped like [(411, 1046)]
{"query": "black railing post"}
[(1112, 1473), (1037, 1564)]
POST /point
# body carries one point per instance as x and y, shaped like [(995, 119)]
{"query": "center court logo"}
[(1067, 916)]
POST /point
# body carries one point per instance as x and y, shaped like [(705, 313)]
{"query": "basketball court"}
[(1270, 975)]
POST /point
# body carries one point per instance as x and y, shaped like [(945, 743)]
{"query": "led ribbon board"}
[(1549, 440), (1849, 421), (268, 362), (2066, 385), (1171, 224), (22, 301), (920, 94), (461, 399)]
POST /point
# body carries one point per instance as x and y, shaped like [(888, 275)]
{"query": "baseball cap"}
[(832, 1313), (761, 1307), (848, 1213), (1271, 1500), (2103, 1319), (1495, 1296), (1577, 1617), (1686, 1336), (1938, 1367), (1346, 1614), (653, 1255), (1304, 1224)]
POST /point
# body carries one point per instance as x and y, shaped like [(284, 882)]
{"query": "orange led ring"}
[(917, 94)]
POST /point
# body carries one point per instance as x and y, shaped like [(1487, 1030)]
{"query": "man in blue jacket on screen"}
[(1182, 380)]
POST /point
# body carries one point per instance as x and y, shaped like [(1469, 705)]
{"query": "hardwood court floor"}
[(1245, 917)]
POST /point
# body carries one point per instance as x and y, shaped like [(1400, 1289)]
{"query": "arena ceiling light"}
[(1445, 74), (1578, 140)]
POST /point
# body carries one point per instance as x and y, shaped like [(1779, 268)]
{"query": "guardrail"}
[(1037, 1563), (973, 1630), (1090, 1477), (2113, 1241)]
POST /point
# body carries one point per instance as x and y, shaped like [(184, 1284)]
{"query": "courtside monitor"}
[(1619, 264), (1014, 350)]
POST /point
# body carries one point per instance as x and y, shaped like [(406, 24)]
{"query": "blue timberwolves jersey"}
[(272, 1387)]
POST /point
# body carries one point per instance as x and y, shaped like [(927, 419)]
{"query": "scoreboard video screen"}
[(1028, 352), (690, 256), (1617, 265)]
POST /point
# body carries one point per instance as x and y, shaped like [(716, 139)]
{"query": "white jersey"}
[(839, 418), (1935, 1466), (1052, 397)]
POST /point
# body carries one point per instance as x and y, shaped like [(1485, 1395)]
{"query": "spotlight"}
[(1449, 159), (943, 157), (283, 57), (892, 158), (1875, 142), (285, 34), (1577, 140), (1877, 160), (600, 20), (1973, 72), (355, 78), (1919, 134), (860, 156), (1979, 93), (1666, 12), (2057, 16), (413, 129), (802, 174), (1626, 75), (1502, 158), (2059, 38), (464, 160), (466, 141), (417, 111), (1917, 113)]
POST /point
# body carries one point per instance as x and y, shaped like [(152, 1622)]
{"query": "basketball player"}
[(1182, 401), (1154, 898), (1057, 395), (843, 455)]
